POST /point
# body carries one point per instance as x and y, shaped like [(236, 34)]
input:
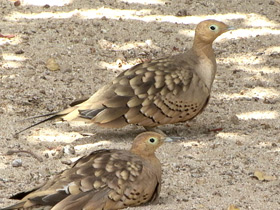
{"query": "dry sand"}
[(93, 41)]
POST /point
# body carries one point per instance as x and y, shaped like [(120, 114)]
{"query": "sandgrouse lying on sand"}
[(161, 91), (105, 179)]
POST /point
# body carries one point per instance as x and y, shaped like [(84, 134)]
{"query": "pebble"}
[(17, 163), (52, 64), (69, 150), (234, 119)]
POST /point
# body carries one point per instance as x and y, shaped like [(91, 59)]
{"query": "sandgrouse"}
[(105, 179), (161, 91)]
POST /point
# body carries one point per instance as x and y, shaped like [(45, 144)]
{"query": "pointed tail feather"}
[(54, 116), (40, 116)]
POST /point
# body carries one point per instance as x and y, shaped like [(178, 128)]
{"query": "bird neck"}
[(202, 48), (143, 153), (206, 67)]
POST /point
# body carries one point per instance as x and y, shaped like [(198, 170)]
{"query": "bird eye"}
[(213, 27), (152, 140)]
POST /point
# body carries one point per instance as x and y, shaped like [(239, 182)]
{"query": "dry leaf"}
[(52, 65), (263, 177), (233, 207)]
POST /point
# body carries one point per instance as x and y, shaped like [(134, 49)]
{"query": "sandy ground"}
[(93, 41)]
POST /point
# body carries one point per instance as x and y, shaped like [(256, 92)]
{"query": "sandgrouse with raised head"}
[(104, 180), (161, 91)]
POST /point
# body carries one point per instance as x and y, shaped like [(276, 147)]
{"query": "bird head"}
[(145, 144), (208, 30)]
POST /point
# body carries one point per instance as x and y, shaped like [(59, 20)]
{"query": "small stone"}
[(119, 63), (69, 150), (182, 12), (234, 119), (92, 50), (231, 84), (247, 85), (149, 42), (52, 65), (242, 92), (66, 162), (68, 70), (270, 101), (17, 163), (239, 143), (47, 155), (18, 52), (58, 154), (266, 126), (236, 71)]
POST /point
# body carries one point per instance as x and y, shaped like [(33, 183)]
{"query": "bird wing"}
[(161, 91), (106, 179)]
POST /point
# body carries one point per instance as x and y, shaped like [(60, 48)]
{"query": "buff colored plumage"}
[(161, 91), (103, 180)]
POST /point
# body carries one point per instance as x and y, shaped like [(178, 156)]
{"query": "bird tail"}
[(53, 116), (50, 116), (56, 115)]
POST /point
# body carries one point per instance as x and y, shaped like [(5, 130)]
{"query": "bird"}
[(103, 180), (168, 90)]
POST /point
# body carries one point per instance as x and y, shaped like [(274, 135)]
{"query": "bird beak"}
[(230, 28), (168, 139)]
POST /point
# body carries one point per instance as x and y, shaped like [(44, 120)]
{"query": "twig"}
[(215, 130), (11, 152)]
